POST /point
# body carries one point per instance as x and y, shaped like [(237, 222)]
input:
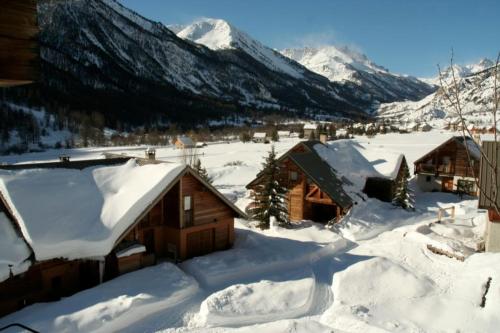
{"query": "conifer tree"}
[(270, 197), (274, 135), (404, 196), (201, 171)]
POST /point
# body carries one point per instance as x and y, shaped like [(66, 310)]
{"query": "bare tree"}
[(451, 93)]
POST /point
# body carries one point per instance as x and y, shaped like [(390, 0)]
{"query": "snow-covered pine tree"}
[(404, 196), (270, 197), (202, 172)]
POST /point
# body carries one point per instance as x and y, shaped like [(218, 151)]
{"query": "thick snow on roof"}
[(310, 126), (356, 162), (66, 213), (186, 140), (385, 163), (13, 250), (259, 135)]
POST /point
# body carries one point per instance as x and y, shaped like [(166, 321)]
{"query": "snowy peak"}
[(217, 34), (346, 66), (336, 63), (213, 33), (461, 71)]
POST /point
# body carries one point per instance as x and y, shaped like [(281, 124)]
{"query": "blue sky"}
[(405, 36)]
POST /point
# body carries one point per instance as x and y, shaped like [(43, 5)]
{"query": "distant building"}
[(425, 127), (446, 168), (492, 231), (260, 137), (184, 142), (284, 134), (310, 130)]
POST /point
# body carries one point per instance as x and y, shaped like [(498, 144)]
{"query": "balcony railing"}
[(435, 169)]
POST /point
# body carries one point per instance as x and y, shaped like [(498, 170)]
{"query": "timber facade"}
[(447, 168), (190, 218), (489, 181), (314, 192), (19, 49)]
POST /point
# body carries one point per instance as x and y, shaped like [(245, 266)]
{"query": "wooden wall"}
[(19, 51), (47, 281)]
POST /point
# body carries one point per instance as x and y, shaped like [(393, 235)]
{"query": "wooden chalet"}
[(310, 130), (163, 212), (446, 168), (19, 50), (314, 191), (488, 186), (318, 191)]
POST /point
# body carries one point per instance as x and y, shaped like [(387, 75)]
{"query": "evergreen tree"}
[(245, 137), (270, 197), (312, 137), (301, 132), (274, 135), (404, 196), (201, 171)]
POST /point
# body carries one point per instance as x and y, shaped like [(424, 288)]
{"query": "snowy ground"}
[(372, 273)]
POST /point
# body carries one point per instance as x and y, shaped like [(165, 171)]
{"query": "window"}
[(294, 175), (428, 179), (188, 211), (187, 202)]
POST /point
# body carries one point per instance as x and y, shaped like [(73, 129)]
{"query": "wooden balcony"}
[(433, 169)]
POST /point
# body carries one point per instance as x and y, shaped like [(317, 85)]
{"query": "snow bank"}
[(66, 213), (13, 250), (372, 217), (251, 303), (113, 305), (381, 295)]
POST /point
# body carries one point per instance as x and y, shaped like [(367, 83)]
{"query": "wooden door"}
[(200, 243)]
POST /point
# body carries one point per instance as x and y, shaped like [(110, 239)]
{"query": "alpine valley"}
[(99, 57)]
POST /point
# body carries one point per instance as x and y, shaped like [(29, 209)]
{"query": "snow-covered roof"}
[(310, 126), (69, 213), (356, 162), (13, 250), (283, 133), (186, 140), (259, 135)]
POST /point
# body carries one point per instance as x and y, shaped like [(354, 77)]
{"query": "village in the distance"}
[(190, 179)]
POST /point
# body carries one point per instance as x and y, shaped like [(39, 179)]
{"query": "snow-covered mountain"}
[(460, 71), (218, 34), (476, 84), (341, 64), (99, 55)]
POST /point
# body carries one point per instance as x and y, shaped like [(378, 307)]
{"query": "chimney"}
[(151, 154), (323, 138), (64, 158)]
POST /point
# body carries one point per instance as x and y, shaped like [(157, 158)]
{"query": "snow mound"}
[(67, 213), (251, 303), (374, 285), (113, 305)]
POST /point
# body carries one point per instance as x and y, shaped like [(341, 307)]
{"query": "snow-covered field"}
[(371, 273)]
